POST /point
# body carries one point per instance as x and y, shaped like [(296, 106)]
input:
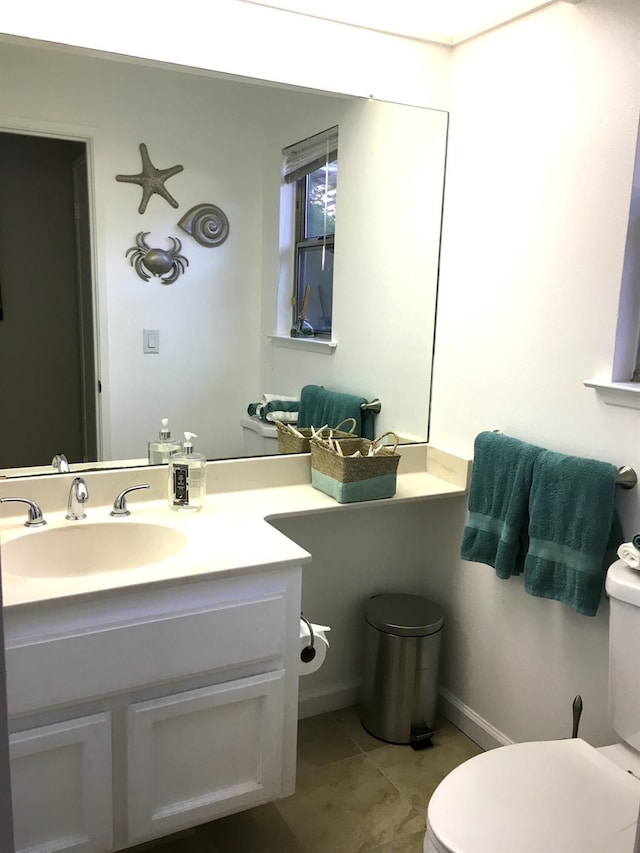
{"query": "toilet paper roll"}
[(320, 644), (630, 554)]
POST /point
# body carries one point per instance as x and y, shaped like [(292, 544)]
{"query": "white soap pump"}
[(187, 481), (161, 448)]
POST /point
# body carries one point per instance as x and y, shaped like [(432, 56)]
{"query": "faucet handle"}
[(120, 503), (35, 518)]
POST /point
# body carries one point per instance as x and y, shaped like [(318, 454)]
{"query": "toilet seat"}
[(545, 797)]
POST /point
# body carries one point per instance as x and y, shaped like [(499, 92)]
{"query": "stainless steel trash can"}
[(402, 658)]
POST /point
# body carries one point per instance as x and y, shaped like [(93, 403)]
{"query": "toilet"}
[(258, 437), (561, 796)]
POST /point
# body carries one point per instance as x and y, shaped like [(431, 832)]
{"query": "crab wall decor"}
[(158, 262)]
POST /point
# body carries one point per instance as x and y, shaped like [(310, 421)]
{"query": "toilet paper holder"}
[(309, 652)]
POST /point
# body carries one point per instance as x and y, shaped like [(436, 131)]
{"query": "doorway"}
[(47, 363)]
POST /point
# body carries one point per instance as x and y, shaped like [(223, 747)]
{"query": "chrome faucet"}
[(60, 463), (78, 495), (120, 503), (35, 518)]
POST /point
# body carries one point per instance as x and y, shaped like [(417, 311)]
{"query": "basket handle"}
[(377, 442), (288, 429), (352, 421)]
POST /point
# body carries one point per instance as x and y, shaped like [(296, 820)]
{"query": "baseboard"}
[(332, 697), (470, 723)]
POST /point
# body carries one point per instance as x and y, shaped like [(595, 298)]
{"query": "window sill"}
[(308, 344), (626, 394)]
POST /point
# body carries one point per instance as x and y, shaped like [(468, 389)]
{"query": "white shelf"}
[(625, 394), (308, 344)]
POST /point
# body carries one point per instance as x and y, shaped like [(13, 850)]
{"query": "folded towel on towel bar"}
[(573, 526), (496, 528), (283, 409), (544, 514), (283, 417)]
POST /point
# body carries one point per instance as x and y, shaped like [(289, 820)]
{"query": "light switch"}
[(151, 340)]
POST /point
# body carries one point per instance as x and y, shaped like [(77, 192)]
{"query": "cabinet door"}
[(197, 755), (61, 787)]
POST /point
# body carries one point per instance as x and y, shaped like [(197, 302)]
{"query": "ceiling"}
[(443, 21)]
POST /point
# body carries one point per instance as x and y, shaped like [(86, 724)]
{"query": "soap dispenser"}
[(164, 446), (187, 485)]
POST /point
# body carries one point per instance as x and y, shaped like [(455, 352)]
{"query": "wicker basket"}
[(289, 442), (355, 478)]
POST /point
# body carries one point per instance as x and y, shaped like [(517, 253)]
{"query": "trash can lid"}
[(404, 615)]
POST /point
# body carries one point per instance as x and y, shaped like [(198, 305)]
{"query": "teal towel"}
[(319, 407), (496, 528), (573, 524)]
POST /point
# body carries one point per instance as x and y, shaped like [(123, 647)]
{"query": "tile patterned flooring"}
[(354, 794)]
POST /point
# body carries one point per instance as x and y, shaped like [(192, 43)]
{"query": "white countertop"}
[(220, 540), (231, 534)]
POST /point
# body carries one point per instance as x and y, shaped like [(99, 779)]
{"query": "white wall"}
[(251, 41), (357, 554), (544, 116)]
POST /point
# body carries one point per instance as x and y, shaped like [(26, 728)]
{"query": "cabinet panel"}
[(196, 755), (61, 786), (149, 652)]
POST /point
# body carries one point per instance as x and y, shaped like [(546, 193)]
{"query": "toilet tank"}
[(623, 587)]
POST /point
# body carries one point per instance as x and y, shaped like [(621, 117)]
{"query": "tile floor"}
[(354, 794)]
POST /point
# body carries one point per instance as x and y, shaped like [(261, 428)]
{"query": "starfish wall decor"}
[(151, 180)]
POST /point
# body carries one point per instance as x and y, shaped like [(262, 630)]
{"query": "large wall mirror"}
[(74, 311)]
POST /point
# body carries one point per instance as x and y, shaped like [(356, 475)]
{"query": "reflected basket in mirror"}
[(369, 475), (293, 439)]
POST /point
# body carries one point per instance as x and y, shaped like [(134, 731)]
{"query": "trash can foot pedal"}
[(422, 741)]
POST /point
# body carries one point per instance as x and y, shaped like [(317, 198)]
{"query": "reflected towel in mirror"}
[(320, 406)]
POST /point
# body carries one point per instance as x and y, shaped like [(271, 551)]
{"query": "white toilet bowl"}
[(560, 796)]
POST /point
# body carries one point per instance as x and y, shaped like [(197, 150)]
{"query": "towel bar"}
[(374, 406), (626, 479)]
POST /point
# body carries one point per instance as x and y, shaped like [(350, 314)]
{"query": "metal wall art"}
[(151, 180), (206, 223), (158, 262)]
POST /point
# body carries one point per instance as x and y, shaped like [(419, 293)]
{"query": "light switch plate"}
[(151, 340)]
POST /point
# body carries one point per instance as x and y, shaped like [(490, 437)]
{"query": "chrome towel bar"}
[(373, 406), (626, 479)]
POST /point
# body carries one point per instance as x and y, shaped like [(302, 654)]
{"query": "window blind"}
[(309, 154)]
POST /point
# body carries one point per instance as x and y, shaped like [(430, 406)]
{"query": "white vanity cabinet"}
[(61, 784), (139, 712), (191, 754)]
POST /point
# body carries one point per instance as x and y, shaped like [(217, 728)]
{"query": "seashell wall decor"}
[(207, 224)]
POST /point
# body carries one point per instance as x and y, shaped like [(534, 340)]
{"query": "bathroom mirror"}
[(222, 327)]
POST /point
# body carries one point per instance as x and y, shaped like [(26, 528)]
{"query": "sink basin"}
[(82, 549)]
